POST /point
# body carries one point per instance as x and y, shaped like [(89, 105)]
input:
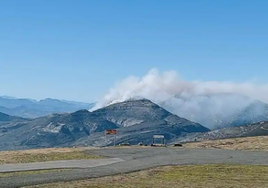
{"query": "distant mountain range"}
[(136, 121), (218, 110), (213, 111), (29, 108)]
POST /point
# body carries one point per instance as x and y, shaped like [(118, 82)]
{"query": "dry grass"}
[(259, 143), (12, 174), (203, 176), (41, 155)]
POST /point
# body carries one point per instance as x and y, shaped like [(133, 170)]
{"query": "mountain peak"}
[(81, 112), (49, 99), (140, 104), (133, 103), (132, 112), (8, 97)]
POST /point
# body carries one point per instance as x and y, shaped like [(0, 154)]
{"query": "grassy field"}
[(203, 176), (259, 143), (41, 155)]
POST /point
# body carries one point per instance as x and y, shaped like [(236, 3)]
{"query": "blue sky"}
[(77, 49)]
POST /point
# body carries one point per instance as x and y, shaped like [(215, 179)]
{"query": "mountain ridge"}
[(255, 129), (87, 128), (7, 118), (139, 120), (29, 108)]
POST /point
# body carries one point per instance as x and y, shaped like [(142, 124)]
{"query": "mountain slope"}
[(8, 118), (5, 117), (218, 110), (136, 121), (141, 119), (55, 130), (132, 112), (23, 111), (256, 129)]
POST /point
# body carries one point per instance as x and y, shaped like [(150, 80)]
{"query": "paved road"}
[(135, 159), (58, 165)]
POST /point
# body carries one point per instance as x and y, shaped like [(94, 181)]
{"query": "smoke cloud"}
[(160, 86), (211, 103)]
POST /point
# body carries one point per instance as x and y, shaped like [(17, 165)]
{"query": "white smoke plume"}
[(213, 104), (159, 87)]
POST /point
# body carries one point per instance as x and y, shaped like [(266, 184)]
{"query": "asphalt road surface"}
[(57, 165), (135, 159)]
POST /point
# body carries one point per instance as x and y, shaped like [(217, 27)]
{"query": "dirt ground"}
[(41, 155), (259, 143)]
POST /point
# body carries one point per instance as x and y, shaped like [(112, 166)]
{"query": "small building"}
[(158, 140)]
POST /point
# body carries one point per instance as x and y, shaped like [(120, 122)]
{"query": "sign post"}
[(110, 132)]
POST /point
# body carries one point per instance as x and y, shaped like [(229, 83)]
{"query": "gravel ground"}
[(136, 159)]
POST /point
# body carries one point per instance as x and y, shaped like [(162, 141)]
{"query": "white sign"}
[(159, 136)]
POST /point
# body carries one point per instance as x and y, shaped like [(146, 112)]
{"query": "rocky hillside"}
[(136, 121), (52, 131), (139, 120), (256, 129), (133, 112)]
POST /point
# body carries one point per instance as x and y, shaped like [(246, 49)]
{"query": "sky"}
[(78, 49)]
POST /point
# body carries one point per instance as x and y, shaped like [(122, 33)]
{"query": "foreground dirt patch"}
[(203, 176), (41, 155), (259, 143)]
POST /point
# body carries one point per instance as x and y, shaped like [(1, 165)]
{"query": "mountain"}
[(139, 120), (218, 110), (56, 130), (5, 117), (256, 129), (8, 118), (132, 112), (136, 121), (29, 108), (23, 111)]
